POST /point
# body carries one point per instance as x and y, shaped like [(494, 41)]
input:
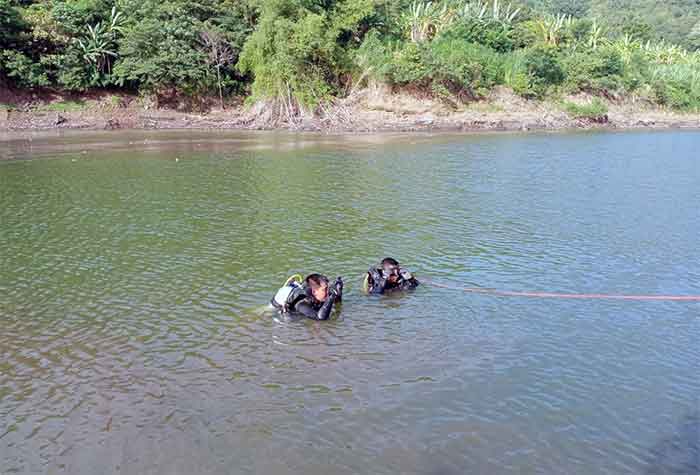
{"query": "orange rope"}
[(557, 295)]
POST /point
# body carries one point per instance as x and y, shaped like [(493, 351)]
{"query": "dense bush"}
[(463, 68), (543, 67), (598, 71), (677, 86), (11, 25), (300, 53), (595, 110), (161, 51), (22, 69), (491, 33)]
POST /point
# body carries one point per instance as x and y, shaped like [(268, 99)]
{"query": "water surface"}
[(133, 267)]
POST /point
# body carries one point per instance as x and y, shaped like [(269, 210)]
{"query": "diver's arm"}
[(323, 313), (377, 282), (408, 281)]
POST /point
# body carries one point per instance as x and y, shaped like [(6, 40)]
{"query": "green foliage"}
[(597, 71), (652, 20), (74, 16), (294, 53), (22, 70), (300, 53), (98, 47), (65, 106), (595, 110), (637, 29), (491, 33), (409, 67), (543, 67), (677, 86), (463, 67), (447, 66), (516, 75), (11, 25), (373, 59), (161, 51), (574, 9), (70, 69)]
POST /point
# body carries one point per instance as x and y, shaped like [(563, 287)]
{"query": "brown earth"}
[(373, 109)]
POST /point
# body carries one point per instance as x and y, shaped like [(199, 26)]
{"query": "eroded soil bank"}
[(368, 110)]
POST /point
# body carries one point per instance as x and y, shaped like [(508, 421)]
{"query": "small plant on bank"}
[(65, 106), (594, 111)]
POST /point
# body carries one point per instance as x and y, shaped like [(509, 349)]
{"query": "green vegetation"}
[(65, 106), (595, 110), (299, 54)]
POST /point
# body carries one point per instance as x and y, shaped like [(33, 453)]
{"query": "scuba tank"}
[(282, 299)]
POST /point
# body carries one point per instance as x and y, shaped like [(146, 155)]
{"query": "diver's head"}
[(319, 286), (391, 269)]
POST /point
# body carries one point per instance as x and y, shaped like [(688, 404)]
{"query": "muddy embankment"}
[(368, 110)]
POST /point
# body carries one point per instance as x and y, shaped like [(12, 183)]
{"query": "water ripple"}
[(133, 335)]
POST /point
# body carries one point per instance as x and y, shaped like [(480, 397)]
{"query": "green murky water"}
[(133, 267)]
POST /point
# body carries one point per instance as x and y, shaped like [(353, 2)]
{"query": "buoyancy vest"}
[(289, 294)]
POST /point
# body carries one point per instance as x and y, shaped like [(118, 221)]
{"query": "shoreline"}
[(366, 111)]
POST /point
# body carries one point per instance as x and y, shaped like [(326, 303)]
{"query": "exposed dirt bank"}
[(369, 110)]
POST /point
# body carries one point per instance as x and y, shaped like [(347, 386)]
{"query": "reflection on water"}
[(133, 338), (679, 453)]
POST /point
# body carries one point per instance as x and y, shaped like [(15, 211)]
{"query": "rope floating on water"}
[(561, 295)]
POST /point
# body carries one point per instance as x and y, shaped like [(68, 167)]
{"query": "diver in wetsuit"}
[(314, 298), (388, 277)]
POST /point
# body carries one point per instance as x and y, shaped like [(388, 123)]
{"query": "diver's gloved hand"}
[(338, 286), (406, 274)]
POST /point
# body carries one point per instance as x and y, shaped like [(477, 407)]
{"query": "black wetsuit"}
[(302, 301), (378, 283)]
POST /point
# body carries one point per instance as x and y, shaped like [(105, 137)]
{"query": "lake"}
[(134, 267)]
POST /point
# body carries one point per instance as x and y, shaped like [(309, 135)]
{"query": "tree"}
[(161, 50), (219, 54), (98, 46), (11, 25), (299, 50)]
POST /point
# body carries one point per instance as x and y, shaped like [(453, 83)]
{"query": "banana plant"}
[(596, 35), (97, 46), (483, 10), (550, 29), (626, 46), (426, 19)]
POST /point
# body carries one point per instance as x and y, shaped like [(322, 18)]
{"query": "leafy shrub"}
[(295, 55), (373, 58), (447, 66), (524, 34), (515, 73), (543, 68), (65, 106), (595, 111), (677, 86), (408, 65), (70, 69), (464, 67), (580, 29), (11, 25), (22, 70), (491, 33), (73, 16), (162, 52), (598, 70)]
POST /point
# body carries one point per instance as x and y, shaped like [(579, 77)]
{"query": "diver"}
[(388, 276), (313, 297)]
